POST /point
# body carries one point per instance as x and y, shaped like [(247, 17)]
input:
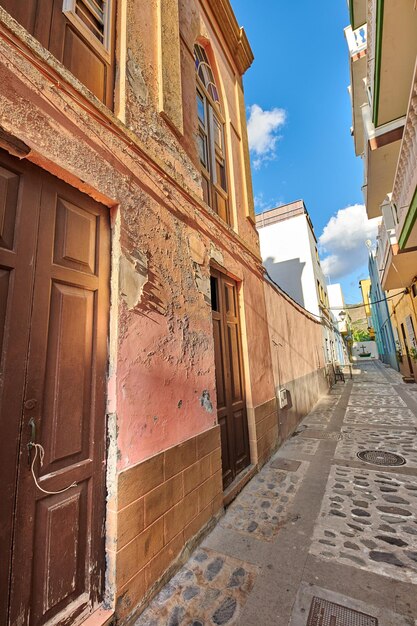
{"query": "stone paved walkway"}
[(316, 524)]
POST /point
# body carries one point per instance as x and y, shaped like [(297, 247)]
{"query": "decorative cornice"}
[(234, 35)]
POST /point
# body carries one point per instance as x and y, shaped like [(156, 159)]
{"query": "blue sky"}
[(300, 126)]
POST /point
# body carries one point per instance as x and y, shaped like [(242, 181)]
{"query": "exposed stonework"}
[(262, 508), (133, 278), (135, 78), (363, 514), (220, 601)]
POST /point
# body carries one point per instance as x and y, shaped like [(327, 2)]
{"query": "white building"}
[(341, 321), (338, 306), (290, 256)]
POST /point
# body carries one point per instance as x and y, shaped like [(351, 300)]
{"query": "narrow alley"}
[(318, 537)]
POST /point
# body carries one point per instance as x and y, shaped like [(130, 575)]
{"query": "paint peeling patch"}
[(133, 278), (112, 455), (216, 255), (135, 78), (202, 282), (111, 482), (197, 249), (206, 402)]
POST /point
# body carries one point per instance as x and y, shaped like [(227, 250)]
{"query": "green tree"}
[(359, 334)]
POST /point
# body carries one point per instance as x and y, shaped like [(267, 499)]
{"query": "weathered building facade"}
[(382, 41), (137, 380)]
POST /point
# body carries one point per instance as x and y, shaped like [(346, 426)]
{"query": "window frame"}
[(102, 48), (213, 111)]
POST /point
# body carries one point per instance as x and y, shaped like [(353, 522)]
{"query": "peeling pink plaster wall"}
[(165, 346), (297, 335), (297, 356), (162, 381), (166, 356)]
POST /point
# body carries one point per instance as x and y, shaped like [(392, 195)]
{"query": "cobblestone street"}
[(316, 524)]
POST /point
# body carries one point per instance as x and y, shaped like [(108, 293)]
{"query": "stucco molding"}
[(234, 35)]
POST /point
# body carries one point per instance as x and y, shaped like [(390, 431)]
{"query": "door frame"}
[(64, 178), (216, 268)]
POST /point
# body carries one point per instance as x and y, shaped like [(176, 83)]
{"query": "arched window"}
[(211, 145)]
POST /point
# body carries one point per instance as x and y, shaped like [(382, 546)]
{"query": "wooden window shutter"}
[(93, 19)]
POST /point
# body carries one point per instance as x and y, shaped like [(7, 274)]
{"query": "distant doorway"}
[(407, 350), (230, 386)]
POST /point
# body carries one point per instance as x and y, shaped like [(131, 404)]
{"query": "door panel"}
[(66, 413), (60, 553), (9, 187), (227, 464), (73, 48), (19, 195), (58, 549), (219, 364), (231, 408), (83, 62), (45, 20), (4, 297), (23, 12), (75, 238), (240, 427), (235, 368)]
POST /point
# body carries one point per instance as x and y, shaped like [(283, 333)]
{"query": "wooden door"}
[(79, 33), (19, 194), (231, 404), (55, 540)]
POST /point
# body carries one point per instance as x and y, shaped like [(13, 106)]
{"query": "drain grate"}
[(325, 613), (380, 457)]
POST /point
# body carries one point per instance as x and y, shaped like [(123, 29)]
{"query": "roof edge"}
[(234, 34)]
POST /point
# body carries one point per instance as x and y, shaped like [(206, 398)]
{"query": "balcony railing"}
[(356, 39), (406, 175), (370, 36), (385, 239)]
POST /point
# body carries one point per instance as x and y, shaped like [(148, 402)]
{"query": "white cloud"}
[(263, 129), (343, 239)]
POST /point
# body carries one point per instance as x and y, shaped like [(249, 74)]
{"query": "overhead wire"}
[(333, 308)]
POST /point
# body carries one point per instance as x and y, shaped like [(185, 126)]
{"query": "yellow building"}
[(365, 287), (403, 316)]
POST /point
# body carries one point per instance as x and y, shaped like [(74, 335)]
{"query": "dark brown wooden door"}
[(82, 39), (230, 388), (54, 351)]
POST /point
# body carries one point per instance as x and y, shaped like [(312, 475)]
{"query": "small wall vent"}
[(283, 398)]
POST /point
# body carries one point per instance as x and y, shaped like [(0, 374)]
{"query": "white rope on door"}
[(40, 449)]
